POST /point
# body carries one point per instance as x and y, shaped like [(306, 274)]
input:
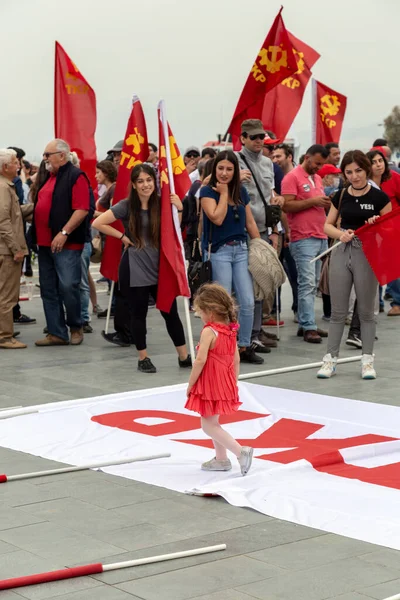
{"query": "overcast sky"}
[(195, 55)]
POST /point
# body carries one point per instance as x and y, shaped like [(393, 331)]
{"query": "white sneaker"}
[(367, 367), (245, 459), (328, 367)]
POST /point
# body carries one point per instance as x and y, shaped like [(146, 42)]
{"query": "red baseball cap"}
[(328, 169), (269, 141)]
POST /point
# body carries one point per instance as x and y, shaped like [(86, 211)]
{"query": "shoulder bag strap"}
[(246, 162)]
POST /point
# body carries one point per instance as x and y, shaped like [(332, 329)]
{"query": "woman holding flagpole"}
[(138, 272), (358, 203), (228, 221)]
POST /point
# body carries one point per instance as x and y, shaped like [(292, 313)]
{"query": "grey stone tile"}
[(201, 579), (320, 583), (352, 596), (44, 591), (219, 506), (77, 515), (51, 541), (384, 556), (140, 536), (172, 515), (103, 593), (10, 595), (15, 517), (21, 493), (21, 563), (225, 595), (5, 548), (313, 552), (382, 590)]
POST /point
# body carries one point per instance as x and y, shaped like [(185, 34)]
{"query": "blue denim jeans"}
[(307, 278), (394, 290), (230, 267), (60, 279), (85, 289)]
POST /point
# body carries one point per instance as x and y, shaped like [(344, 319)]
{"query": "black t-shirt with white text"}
[(356, 211)]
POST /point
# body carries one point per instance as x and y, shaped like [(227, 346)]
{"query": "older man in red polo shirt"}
[(59, 227), (306, 205)]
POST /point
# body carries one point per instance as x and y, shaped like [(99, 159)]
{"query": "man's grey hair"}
[(6, 154), (62, 146)]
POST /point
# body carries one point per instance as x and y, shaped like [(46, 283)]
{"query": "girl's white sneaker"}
[(328, 367), (367, 367)]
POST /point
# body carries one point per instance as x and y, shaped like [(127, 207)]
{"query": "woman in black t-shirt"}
[(358, 203)]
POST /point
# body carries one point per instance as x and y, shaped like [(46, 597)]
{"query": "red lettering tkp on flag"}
[(291, 435)]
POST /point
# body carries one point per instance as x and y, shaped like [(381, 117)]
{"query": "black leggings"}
[(139, 302)]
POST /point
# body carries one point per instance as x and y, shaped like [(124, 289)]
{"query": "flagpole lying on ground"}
[(72, 469), (109, 307), (325, 253), (97, 568), (340, 361)]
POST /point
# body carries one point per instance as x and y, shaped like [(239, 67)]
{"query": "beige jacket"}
[(12, 238), (266, 270)]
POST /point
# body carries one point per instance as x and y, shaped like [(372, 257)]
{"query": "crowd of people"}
[(239, 206)]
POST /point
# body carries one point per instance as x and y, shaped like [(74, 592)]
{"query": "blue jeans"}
[(60, 280), (307, 278), (394, 292), (230, 268), (85, 289)]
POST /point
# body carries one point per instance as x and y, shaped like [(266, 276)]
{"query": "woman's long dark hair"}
[(234, 184), (386, 174), (135, 215), (42, 176)]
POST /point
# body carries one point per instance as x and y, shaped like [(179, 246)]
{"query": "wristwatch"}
[(63, 232)]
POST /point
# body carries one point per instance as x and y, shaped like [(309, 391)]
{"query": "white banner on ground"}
[(325, 462)]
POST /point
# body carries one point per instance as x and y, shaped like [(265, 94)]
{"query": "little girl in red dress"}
[(213, 389)]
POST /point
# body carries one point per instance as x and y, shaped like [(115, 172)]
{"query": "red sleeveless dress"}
[(216, 391)]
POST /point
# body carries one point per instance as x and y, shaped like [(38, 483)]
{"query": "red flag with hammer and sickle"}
[(329, 108), (134, 151), (275, 62), (282, 104)]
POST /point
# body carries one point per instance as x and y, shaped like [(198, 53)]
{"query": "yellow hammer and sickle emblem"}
[(300, 62), (135, 140), (178, 165), (330, 105), (273, 58)]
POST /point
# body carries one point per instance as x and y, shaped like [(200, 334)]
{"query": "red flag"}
[(282, 104), (134, 151), (381, 245), (172, 278), (329, 108), (274, 62), (75, 112)]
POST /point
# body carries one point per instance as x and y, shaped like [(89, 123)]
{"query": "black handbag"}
[(200, 272), (273, 213)]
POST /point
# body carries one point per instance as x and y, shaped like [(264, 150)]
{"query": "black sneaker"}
[(24, 320), (115, 338), (354, 340), (260, 347), (249, 356), (184, 364), (87, 328), (103, 314), (146, 366)]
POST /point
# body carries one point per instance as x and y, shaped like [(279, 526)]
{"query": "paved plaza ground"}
[(80, 518)]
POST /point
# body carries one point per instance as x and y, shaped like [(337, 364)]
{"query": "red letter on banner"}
[(178, 422)]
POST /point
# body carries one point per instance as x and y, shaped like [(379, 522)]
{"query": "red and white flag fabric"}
[(329, 108), (174, 179), (275, 62), (135, 150), (282, 104), (381, 245), (75, 114)]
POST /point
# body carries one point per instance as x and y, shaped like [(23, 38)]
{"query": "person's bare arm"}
[(292, 205), (206, 340), (217, 212), (251, 225), (237, 363), (103, 224), (77, 217)]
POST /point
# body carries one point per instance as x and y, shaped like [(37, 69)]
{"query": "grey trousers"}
[(349, 266)]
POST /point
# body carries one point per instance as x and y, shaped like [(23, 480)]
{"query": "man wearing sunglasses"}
[(59, 229), (257, 175)]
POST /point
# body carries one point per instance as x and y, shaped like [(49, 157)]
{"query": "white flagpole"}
[(109, 307), (175, 216), (325, 253)]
